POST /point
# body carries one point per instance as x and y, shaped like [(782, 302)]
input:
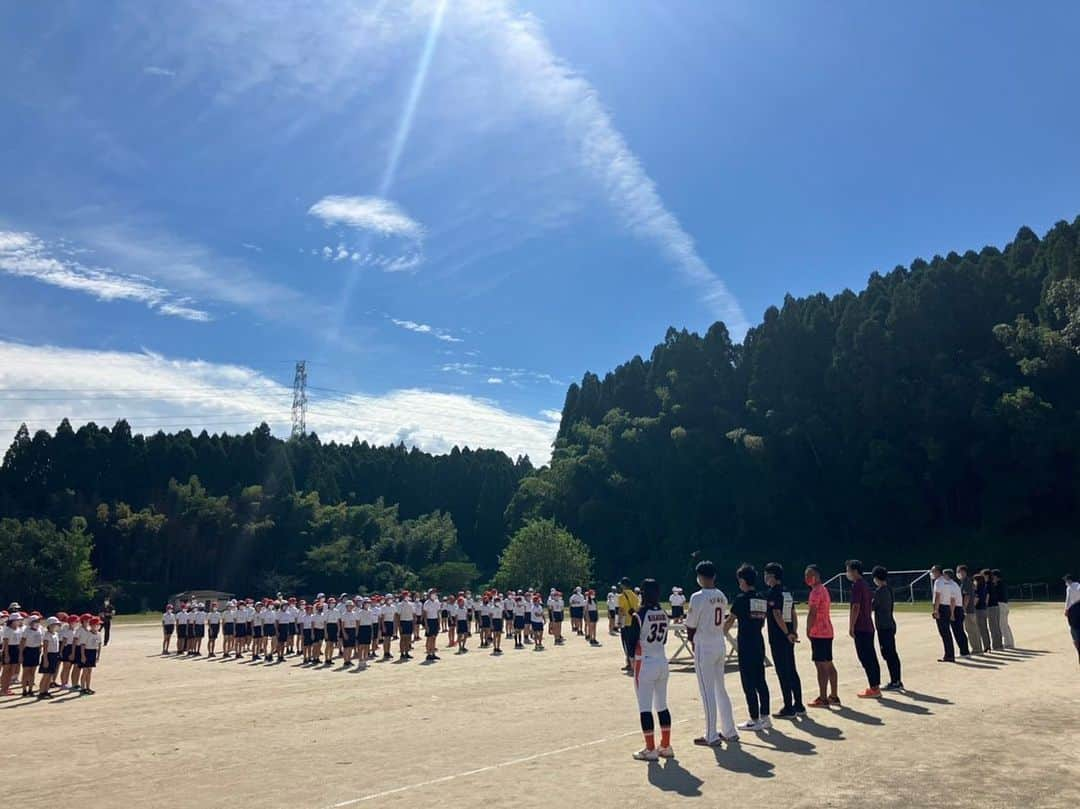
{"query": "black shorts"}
[(258, 632), (388, 629), (519, 622), (241, 630), (282, 633), (406, 628), (67, 653), (31, 656), (463, 626), (348, 639), (229, 630), (537, 627), (821, 650), (496, 624), (200, 630), (12, 656), (364, 634), (677, 612), (445, 613), (292, 629), (594, 616), (309, 636), (320, 634), (577, 612), (214, 630), (485, 622), (181, 630), (432, 626), (557, 617), (168, 629), (50, 663), (331, 632), (89, 658)]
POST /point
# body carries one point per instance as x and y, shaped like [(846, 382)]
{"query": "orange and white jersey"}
[(654, 628)]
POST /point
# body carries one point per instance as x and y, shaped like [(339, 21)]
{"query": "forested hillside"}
[(933, 416), (252, 512)]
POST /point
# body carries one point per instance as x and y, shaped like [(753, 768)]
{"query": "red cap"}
[(85, 616), (73, 619), (95, 621)]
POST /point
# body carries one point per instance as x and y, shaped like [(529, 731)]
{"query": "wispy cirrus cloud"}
[(380, 216), (500, 372), (154, 70), (424, 328), (174, 393), (27, 256)]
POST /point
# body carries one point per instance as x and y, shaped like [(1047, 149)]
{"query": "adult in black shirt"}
[(783, 626), (992, 611), (750, 608), (885, 623), (106, 615)]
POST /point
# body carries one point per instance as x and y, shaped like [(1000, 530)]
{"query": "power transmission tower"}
[(299, 400)]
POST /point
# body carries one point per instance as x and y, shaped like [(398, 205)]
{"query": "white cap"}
[(52, 619)]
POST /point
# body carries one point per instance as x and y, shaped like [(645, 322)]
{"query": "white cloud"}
[(27, 256), (159, 392), (250, 246), (154, 70), (494, 380), (424, 328), (380, 216), (552, 415)]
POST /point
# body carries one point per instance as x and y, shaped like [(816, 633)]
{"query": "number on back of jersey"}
[(654, 629)]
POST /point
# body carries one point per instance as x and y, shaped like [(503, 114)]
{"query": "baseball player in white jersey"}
[(648, 632), (705, 629)]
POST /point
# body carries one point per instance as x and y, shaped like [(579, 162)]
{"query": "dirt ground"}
[(544, 729)]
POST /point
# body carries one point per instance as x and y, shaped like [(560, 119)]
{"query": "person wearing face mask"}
[(820, 631)]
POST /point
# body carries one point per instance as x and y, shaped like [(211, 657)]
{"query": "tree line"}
[(935, 415)]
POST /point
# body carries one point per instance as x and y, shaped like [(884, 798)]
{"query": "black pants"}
[(783, 657), (864, 648), (944, 628), (107, 625), (887, 641), (624, 634), (752, 674), (958, 632)]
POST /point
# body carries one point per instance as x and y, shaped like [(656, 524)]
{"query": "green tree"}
[(541, 553), (46, 567)]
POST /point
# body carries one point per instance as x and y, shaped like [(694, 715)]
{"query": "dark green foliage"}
[(44, 566), (933, 416)]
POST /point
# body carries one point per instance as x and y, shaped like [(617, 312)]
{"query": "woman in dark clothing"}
[(982, 618)]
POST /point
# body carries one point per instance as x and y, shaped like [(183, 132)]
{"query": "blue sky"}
[(453, 209)]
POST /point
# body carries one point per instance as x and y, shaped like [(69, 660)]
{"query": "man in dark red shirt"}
[(861, 627)]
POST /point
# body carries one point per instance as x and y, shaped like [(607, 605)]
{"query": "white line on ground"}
[(489, 768)]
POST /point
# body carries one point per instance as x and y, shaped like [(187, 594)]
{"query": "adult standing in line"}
[(982, 621), (1072, 609), (705, 631), (956, 623), (967, 592), (628, 605), (106, 615), (993, 613), (942, 613), (861, 628), (819, 629), (750, 609), (1003, 609), (885, 624), (783, 635)]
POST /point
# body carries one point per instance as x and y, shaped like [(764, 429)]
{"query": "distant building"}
[(205, 596)]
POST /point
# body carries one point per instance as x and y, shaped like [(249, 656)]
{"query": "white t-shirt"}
[(677, 599), (708, 609), (318, 620), (537, 613), (67, 634), (52, 642), (417, 610), (11, 635), (91, 640), (612, 602), (213, 618), (199, 617), (32, 637), (431, 609), (577, 600), (1072, 594), (519, 606), (557, 604), (168, 618), (404, 611)]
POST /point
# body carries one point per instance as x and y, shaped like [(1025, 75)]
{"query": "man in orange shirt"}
[(820, 631)]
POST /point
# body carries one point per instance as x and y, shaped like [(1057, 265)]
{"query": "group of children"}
[(356, 628), (52, 647)]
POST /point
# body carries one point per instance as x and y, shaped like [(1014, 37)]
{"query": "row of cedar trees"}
[(931, 417)]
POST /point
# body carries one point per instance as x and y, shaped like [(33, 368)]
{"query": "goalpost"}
[(907, 585)]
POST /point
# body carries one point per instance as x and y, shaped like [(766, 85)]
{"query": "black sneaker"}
[(800, 710), (785, 713)]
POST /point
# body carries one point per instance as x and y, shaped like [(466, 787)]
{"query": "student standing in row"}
[(993, 609), (749, 608), (861, 628), (50, 657), (30, 642), (577, 611), (67, 648), (213, 625), (1072, 609), (613, 611), (705, 631), (88, 648), (592, 617), (967, 593), (885, 623), (648, 634), (168, 627), (678, 605), (537, 620), (820, 631), (783, 625)]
